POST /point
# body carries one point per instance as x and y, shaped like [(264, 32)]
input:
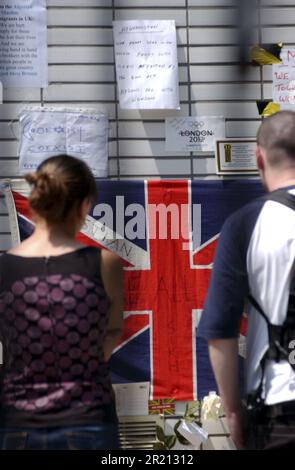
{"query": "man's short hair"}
[(277, 136)]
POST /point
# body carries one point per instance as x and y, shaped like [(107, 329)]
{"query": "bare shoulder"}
[(112, 275), (24, 248), (35, 247), (110, 259)]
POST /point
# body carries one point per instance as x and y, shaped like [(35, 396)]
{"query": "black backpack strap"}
[(255, 400), (282, 196), (258, 308)]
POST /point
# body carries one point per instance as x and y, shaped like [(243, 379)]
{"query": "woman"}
[(60, 319)]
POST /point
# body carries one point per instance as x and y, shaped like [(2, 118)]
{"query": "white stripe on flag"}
[(107, 238)]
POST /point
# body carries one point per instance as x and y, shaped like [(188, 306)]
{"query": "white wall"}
[(82, 72)]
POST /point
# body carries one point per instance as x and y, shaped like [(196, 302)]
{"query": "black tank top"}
[(53, 318)]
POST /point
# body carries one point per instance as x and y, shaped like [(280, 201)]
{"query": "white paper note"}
[(23, 43), (132, 398), (284, 84), (146, 64), (193, 133), (288, 56), (45, 132)]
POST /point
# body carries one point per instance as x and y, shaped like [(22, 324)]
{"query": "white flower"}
[(211, 407)]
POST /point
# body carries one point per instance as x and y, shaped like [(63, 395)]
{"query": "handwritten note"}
[(288, 56), (284, 85), (146, 64), (23, 43), (193, 133), (45, 132)]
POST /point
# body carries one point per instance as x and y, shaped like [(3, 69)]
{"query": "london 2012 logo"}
[(196, 124), (196, 133)]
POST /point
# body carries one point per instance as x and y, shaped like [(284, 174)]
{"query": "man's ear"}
[(260, 158)]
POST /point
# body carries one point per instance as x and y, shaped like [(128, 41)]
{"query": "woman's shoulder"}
[(110, 258), (29, 250)]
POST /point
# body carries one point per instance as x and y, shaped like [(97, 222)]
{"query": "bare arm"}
[(112, 276), (225, 363)]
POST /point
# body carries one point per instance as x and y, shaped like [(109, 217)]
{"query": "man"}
[(255, 256)]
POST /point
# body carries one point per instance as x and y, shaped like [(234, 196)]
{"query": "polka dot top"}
[(53, 317)]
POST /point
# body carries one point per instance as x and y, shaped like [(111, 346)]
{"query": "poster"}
[(146, 64), (23, 43), (284, 84), (236, 156), (45, 132), (193, 133)]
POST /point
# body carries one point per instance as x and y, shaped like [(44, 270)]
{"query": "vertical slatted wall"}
[(82, 72)]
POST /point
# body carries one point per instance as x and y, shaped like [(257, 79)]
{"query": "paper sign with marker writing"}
[(193, 133), (45, 132), (288, 56), (146, 64), (23, 43), (284, 85)]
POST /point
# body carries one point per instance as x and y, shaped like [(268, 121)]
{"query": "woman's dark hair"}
[(59, 185)]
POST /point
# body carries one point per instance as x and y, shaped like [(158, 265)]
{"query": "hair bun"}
[(31, 178), (47, 190), (59, 185), (49, 185)]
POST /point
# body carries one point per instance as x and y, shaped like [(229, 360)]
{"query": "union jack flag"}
[(164, 406), (165, 284)]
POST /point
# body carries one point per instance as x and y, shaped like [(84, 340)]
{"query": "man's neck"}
[(277, 183)]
